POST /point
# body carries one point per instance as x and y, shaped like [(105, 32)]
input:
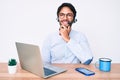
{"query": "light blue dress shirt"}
[(77, 50)]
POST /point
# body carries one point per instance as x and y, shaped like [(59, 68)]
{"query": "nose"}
[(65, 17)]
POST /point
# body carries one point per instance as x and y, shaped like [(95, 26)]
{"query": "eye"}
[(69, 15), (61, 14)]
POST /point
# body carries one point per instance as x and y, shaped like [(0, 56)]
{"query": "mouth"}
[(65, 23)]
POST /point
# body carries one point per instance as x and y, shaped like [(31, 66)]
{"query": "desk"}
[(71, 74)]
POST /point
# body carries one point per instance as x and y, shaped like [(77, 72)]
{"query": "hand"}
[(64, 32)]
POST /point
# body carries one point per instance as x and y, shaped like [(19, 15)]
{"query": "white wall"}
[(31, 20)]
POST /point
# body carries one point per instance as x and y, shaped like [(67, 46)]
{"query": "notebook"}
[(31, 60)]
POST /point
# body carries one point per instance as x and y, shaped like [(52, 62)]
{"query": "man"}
[(66, 45)]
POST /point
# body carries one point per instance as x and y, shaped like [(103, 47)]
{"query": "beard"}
[(66, 23)]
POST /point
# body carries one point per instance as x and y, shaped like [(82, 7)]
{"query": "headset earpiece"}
[(75, 20)]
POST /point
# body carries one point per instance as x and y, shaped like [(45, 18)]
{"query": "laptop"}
[(31, 60)]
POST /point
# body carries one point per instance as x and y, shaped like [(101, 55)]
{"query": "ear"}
[(57, 19)]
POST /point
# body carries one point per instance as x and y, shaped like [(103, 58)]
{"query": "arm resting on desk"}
[(88, 61)]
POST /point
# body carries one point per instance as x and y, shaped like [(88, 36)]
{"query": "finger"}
[(69, 27), (65, 28), (62, 26), (59, 31)]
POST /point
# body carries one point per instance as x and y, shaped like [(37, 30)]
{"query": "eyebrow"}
[(67, 13)]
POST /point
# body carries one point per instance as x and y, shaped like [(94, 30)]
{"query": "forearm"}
[(81, 51)]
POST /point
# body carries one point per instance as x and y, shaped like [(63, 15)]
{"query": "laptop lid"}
[(31, 60)]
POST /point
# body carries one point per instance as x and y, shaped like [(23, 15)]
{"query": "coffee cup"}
[(104, 64)]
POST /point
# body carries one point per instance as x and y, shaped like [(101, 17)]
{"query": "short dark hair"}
[(69, 5)]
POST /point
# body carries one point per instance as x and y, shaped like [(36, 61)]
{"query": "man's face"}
[(65, 16)]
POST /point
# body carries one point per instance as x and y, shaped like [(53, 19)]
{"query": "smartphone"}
[(85, 71)]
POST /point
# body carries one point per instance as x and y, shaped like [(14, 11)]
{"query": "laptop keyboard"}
[(48, 71)]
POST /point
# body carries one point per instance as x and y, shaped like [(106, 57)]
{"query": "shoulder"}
[(51, 36), (77, 33)]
